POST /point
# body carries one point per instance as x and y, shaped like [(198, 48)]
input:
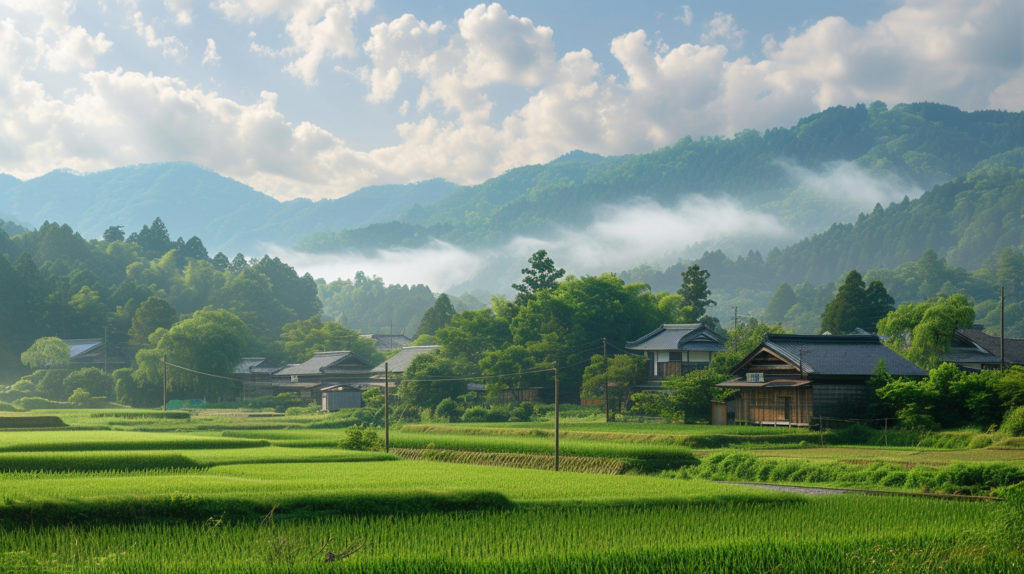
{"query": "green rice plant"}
[(140, 414), (28, 422), (535, 461), (955, 478), (134, 461), (831, 534), (49, 441)]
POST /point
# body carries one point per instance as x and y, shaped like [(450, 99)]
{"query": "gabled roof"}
[(971, 345), (80, 347), (402, 359), (251, 365), (325, 362), (679, 337), (388, 342), (852, 355)]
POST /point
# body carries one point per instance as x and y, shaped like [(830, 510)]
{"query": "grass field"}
[(226, 492)]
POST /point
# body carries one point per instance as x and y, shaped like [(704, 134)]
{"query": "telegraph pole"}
[(735, 325), (556, 416), (387, 430), (607, 411), (1002, 327), (165, 382)]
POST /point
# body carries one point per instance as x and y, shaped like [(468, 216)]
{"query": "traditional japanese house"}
[(794, 379), (385, 342), (307, 380), (255, 373), (87, 353), (974, 350), (676, 349)]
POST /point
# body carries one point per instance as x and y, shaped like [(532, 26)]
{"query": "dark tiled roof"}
[(840, 354), (319, 363), (255, 365), (401, 360), (388, 342), (81, 347), (1014, 347), (679, 337)]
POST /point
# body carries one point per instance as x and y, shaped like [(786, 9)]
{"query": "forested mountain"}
[(228, 215), (917, 144)]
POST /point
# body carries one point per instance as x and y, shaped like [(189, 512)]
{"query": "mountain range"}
[(227, 215)]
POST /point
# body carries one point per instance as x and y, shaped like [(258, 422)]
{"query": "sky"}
[(317, 98)]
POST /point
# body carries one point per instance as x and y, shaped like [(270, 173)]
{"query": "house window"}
[(675, 355)]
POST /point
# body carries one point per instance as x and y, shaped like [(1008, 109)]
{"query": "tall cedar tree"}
[(153, 314), (541, 275), (781, 302), (695, 290), (856, 306), (438, 316)]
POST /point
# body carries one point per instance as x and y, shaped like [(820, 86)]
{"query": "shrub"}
[(7, 407), (475, 415), (522, 414), (91, 380), (361, 438), (1013, 423), (51, 385), (34, 403), (373, 398), (297, 411), (80, 397), (447, 411)]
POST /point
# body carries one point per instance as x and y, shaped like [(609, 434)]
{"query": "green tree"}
[(781, 302), (303, 338), (877, 304), (51, 386), (428, 380), (436, 317), (541, 275), (94, 381), (80, 398), (695, 290), (88, 314), (922, 332), (47, 352), (114, 233), (1010, 273), (625, 372), (154, 313), (844, 313), (210, 341), (510, 368), (692, 394)]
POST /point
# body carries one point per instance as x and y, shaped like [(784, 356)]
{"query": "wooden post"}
[(387, 429), (165, 382), (556, 416), (607, 410), (735, 326), (886, 432), (1002, 326)]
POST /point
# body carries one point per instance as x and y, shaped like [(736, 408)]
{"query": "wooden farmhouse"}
[(676, 349), (307, 380), (255, 373), (795, 379)]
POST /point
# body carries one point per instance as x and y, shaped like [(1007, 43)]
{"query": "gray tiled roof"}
[(679, 337), (1014, 348), (318, 364), (255, 365), (840, 354), (82, 346), (402, 359)]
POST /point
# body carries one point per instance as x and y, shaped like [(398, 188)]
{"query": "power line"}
[(200, 372)]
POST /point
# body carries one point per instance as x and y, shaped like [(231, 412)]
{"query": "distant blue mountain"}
[(227, 215)]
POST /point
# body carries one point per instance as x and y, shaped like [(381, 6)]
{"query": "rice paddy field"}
[(225, 492)]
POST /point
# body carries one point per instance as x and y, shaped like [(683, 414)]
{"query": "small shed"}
[(336, 397)]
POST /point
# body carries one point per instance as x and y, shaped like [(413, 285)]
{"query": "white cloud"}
[(182, 10), (439, 265), (646, 231), (317, 28), (74, 46), (687, 17), (211, 55), (846, 183), (723, 28), (172, 47)]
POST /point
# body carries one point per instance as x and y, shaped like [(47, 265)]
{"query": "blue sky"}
[(320, 97)]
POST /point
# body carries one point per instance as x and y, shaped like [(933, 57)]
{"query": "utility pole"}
[(735, 325), (105, 350), (165, 382), (387, 429), (556, 416), (1002, 327), (607, 411)]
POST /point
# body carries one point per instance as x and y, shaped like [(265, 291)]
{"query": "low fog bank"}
[(618, 238)]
